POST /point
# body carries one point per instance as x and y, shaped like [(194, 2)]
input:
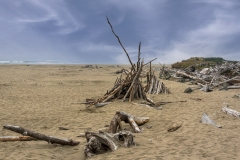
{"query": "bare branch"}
[(150, 61), (120, 43)]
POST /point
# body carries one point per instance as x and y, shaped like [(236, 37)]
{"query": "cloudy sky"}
[(77, 30)]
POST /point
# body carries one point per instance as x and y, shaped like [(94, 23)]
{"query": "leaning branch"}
[(120, 43), (150, 61)]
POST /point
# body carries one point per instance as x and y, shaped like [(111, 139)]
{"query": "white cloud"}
[(37, 11)]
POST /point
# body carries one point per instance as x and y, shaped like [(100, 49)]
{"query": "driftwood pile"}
[(101, 141), (226, 75), (116, 136)]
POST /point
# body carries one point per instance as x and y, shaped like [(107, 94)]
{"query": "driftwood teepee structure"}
[(129, 87), (154, 86)]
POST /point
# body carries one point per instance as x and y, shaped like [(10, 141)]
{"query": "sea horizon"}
[(53, 62)]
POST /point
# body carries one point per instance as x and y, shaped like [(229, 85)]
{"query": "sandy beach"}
[(44, 97)]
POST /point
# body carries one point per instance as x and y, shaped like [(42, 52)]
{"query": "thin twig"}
[(150, 61)]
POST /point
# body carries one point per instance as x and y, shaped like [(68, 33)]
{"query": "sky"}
[(77, 30)]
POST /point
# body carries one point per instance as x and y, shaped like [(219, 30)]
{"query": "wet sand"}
[(44, 97)]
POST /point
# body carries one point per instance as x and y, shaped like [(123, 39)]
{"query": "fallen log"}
[(233, 87), (234, 78), (192, 77), (16, 138), (127, 118), (231, 112), (49, 139)]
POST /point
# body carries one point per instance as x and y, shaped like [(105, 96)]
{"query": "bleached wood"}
[(192, 77), (106, 141), (231, 112), (16, 138), (234, 78), (123, 116), (233, 87)]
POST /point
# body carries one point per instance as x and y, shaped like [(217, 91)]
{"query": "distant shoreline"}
[(54, 63)]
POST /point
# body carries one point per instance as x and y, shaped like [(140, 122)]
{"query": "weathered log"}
[(192, 77), (16, 138), (234, 78), (233, 87), (231, 112), (122, 116), (106, 141), (49, 139)]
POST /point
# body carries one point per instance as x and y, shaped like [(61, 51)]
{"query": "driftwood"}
[(154, 86), (206, 120), (39, 136), (189, 76), (232, 79), (233, 87), (231, 112), (206, 88), (225, 73), (214, 76), (127, 118), (16, 138), (101, 104), (63, 128), (120, 42), (102, 141), (188, 90), (163, 103), (174, 127)]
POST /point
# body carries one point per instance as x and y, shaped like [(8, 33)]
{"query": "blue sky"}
[(77, 30)]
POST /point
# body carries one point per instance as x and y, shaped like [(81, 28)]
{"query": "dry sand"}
[(43, 97)]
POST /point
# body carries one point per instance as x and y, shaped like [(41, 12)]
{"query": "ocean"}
[(39, 62)]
